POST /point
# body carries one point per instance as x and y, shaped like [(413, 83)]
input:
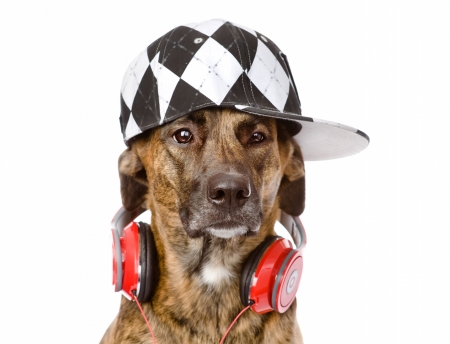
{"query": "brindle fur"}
[(169, 179)]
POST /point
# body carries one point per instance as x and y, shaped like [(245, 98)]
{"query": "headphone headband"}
[(295, 229), (123, 217)]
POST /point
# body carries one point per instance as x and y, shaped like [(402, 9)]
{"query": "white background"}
[(377, 264)]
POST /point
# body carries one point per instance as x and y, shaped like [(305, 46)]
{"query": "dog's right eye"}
[(257, 138), (182, 136)]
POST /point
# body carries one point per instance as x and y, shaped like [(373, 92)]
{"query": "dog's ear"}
[(133, 180), (292, 188)]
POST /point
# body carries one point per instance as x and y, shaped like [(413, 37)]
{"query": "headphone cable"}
[(143, 314), (234, 321)]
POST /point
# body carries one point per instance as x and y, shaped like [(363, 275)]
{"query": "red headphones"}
[(270, 275)]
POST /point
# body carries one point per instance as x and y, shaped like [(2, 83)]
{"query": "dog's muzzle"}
[(226, 205)]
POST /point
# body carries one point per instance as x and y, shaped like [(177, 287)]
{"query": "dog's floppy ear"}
[(292, 188), (133, 180)]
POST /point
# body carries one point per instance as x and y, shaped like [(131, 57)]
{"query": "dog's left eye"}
[(256, 137), (182, 136)]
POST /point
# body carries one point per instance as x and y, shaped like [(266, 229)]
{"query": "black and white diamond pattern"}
[(213, 63), (212, 71), (167, 81), (269, 77), (131, 81)]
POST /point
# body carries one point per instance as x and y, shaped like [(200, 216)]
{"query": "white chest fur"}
[(219, 269), (214, 274)]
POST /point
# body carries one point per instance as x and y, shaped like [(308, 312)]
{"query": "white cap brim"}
[(325, 140)]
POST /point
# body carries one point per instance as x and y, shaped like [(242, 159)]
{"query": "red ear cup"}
[(271, 276), (250, 267), (287, 281), (131, 255), (135, 261)]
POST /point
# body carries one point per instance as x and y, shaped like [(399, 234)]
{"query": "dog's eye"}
[(256, 137), (182, 136)]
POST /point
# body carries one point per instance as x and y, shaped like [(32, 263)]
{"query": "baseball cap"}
[(217, 63)]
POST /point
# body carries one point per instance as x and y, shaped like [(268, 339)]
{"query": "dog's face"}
[(217, 172)]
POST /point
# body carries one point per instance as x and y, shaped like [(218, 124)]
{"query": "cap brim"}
[(324, 140), (320, 139)]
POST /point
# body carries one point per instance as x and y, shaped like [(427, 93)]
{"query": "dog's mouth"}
[(227, 230), (227, 227)]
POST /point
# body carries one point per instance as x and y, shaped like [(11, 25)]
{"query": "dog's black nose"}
[(228, 190)]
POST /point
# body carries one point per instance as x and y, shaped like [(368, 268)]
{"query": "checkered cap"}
[(213, 63)]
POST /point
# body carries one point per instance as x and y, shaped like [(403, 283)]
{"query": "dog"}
[(215, 182)]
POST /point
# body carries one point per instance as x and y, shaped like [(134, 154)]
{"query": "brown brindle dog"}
[(214, 181)]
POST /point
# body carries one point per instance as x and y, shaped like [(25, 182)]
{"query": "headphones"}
[(269, 280)]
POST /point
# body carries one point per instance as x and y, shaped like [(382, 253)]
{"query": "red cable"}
[(143, 314), (234, 321)]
